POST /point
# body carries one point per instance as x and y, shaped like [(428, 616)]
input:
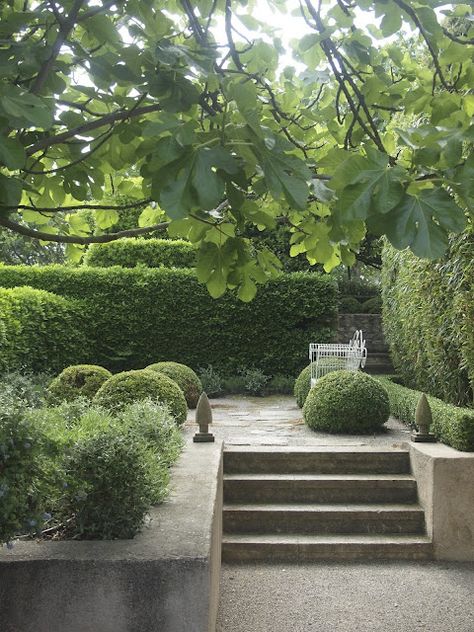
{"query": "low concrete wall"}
[(164, 580), (445, 479)]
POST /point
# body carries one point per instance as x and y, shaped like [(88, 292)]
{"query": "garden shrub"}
[(280, 385), (428, 319), (131, 386), (154, 422), (80, 380), (185, 378), (114, 481), (137, 315), (40, 331), (372, 305), (452, 425), (350, 305), (27, 388), (303, 381), (349, 402), (23, 453), (254, 380), (131, 252), (212, 381)]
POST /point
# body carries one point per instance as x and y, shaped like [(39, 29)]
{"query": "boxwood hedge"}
[(138, 316), (452, 425), (40, 331), (428, 316), (153, 253)]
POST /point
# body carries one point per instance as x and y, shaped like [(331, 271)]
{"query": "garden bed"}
[(166, 578)]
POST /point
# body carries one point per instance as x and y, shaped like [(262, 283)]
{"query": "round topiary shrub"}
[(302, 386), (185, 378), (372, 305), (80, 380), (349, 402), (132, 386), (350, 305), (303, 381)]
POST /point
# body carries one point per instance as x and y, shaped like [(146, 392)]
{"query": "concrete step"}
[(319, 488), (309, 548), (318, 461), (312, 519), (379, 363)]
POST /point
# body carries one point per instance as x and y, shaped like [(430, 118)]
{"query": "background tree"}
[(191, 96)]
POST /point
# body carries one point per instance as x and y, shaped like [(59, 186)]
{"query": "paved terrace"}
[(277, 421)]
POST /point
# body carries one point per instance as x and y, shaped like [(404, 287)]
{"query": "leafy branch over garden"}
[(185, 108)]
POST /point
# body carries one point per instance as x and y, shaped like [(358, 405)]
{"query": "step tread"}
[(349, 508), (317, 477), (327, 539), (314, 450)]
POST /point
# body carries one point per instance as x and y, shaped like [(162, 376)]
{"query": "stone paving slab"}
[(277, 421)]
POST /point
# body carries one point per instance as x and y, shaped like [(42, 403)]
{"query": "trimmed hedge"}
[(131, 252), (79, 380), (428, 317), (185, 378), (349, 402), (138, 316), (452, 425), (40, 331), (134, 386)]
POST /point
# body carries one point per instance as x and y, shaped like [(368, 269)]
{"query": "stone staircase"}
[(306, 504)]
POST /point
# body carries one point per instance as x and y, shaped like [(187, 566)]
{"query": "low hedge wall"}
[(138, 316), (40, 331), (131, 252), (452, 425)]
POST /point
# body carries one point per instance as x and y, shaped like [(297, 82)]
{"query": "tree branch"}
[(77, 207), (65, 27), (412, 13), (120, 115), (76, 239)]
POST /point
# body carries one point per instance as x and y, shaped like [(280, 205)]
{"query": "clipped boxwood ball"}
[(185, 378), (131, 386), (349, 402), (303, 381), (79, 380)]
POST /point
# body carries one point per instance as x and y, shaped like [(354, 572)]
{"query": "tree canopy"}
[(186, 108)]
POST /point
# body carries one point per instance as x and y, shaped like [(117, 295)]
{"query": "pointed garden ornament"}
[(203, 418), (423, 419)]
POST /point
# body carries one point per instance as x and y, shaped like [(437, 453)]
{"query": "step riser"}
[(312, 522), (320, 463), (344, 491), (323, 552)]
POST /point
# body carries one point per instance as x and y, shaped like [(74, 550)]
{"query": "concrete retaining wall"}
[(164, 580), (445, 479)]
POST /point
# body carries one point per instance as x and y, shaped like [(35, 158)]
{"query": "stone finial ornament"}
[(203, 419), (423, 419)]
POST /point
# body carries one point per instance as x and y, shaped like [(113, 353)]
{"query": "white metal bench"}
[(325, 358)]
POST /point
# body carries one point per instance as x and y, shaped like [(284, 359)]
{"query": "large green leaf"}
[(12, 153), (423, 223)]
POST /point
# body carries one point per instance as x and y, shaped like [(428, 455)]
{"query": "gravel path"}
[(347, 597)]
